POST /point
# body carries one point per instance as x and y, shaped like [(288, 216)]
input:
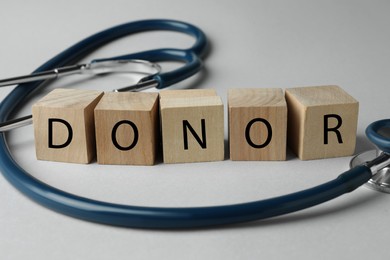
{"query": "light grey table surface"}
[(253, 44)]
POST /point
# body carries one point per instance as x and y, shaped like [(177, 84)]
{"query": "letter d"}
[(70, 133)]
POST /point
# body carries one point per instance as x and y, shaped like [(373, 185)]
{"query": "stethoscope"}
[(372, 167)]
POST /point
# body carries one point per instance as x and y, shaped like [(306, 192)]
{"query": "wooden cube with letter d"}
[(192, 126), (64, 125), (322, 122)]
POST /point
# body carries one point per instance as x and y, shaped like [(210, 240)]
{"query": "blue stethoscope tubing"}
[(154, 217)]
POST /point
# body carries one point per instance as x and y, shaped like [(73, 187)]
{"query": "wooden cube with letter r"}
[(322, 122), (192, 126), (64, 125)]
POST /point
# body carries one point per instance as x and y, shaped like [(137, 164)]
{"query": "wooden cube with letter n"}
[(127, 128), (192, 126), (322, 122), (64, 125), (257, 124)]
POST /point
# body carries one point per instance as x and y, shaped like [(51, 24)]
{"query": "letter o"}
[(113, 135), (248, 128)]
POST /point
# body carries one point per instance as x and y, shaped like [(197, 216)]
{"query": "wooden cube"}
[(257, 124), (192, 126), (322, 122), (64, 125), (127, 128)]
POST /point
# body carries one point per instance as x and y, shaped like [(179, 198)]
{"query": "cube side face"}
[(48, 146), (89, 128), (330, 131), (295, 124), (258, 133), (178, 149), (126, 137)]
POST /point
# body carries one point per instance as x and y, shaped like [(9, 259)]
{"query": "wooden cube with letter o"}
[(257, 124), (127, 128)]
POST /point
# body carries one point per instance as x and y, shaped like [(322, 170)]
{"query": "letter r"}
[(332, 129)]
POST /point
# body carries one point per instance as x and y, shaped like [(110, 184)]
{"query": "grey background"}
[(253, 44)]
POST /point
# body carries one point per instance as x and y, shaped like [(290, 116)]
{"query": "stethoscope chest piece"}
[(381, 180), (378, 133)]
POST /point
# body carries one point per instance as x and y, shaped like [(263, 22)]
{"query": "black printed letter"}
[(70, 133), (113, 135), (334, 129), (248, 129), (202, 142)]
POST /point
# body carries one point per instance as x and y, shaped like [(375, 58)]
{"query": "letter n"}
[(201, 141)]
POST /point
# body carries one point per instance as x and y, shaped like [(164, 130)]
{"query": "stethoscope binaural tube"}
[(154, 217)]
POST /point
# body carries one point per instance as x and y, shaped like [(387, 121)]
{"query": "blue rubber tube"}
[(151, 217)]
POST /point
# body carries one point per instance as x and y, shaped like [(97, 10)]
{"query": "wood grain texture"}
[(134, 119), (313, 124), (185, 93), (76, 108), (192, 107), (248, 108)]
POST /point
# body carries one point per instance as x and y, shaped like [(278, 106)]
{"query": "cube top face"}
[(68, 98), (255, 97), (191, 102), (127, 101), (187, 93), (321, 96)]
